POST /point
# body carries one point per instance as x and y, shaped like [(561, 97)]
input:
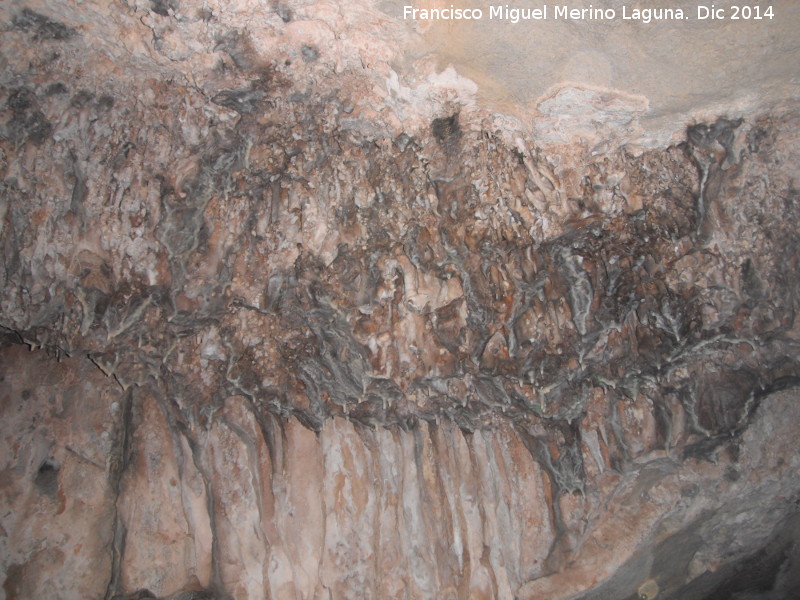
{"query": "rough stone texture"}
[(304, 330), (642, 79), (255, 506), (60, 423)]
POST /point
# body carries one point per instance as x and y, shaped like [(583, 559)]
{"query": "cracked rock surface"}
[(272, 330)]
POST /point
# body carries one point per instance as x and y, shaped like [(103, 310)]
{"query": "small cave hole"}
[(47, 477), (446, 129)]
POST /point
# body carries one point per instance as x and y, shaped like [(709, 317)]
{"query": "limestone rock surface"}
[(282, 320)]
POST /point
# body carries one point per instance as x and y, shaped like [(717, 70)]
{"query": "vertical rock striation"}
[(292, 335)]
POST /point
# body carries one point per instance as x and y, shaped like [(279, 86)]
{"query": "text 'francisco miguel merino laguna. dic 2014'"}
[(545, 12)]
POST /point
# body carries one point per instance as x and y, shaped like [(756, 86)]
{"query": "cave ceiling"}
[(354, 258)]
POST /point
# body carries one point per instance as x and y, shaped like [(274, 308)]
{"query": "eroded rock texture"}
[(295, 343)]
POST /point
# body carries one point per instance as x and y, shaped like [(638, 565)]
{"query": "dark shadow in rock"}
[(771, 573), (446, 129), (41, 27), (47, 477), (242, 101), (163, 7)]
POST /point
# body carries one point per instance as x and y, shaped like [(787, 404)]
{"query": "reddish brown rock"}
[(279, 323)]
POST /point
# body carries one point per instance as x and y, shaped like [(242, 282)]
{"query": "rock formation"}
[(291, 310)]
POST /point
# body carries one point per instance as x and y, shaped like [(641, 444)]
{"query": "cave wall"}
[(271, 330)]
